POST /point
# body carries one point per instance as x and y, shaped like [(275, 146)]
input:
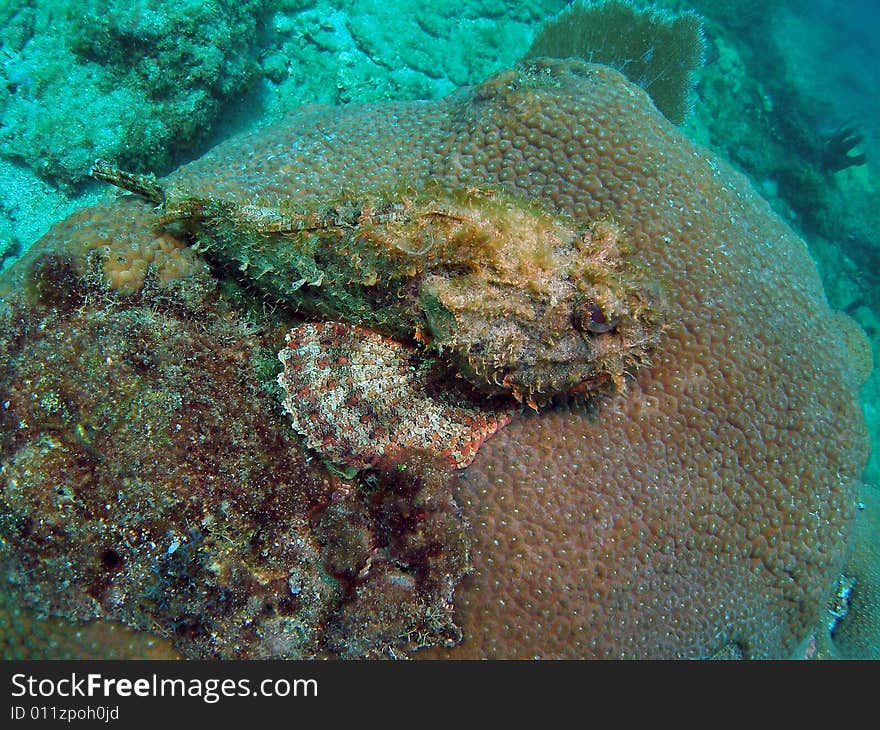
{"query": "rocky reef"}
[(704, 507), (144, 76), (149, 476)]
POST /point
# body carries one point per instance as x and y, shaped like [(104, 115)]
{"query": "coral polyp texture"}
[(120, 241), (858, 346), (27, 635), (703, 508)]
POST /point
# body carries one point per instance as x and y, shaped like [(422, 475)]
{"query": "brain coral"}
[(705, 507)]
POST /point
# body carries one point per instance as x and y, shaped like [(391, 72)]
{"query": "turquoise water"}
[(787, 95)]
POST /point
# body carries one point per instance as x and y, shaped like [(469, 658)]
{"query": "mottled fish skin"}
[(523, 301), (361, 399)]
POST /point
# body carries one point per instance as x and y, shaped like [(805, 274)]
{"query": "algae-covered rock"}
[(133, 80), (148, 477)]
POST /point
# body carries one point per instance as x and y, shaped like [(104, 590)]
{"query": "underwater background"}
[(787, 95)]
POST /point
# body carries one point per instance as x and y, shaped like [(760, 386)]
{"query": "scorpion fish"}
[(503, 301)]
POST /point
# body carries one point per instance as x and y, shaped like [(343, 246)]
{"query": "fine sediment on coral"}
[(702, 510)]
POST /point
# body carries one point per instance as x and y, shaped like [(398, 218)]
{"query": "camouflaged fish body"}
[(518, 300)]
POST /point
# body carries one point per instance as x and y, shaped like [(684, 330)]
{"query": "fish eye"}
[(589, 316)]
